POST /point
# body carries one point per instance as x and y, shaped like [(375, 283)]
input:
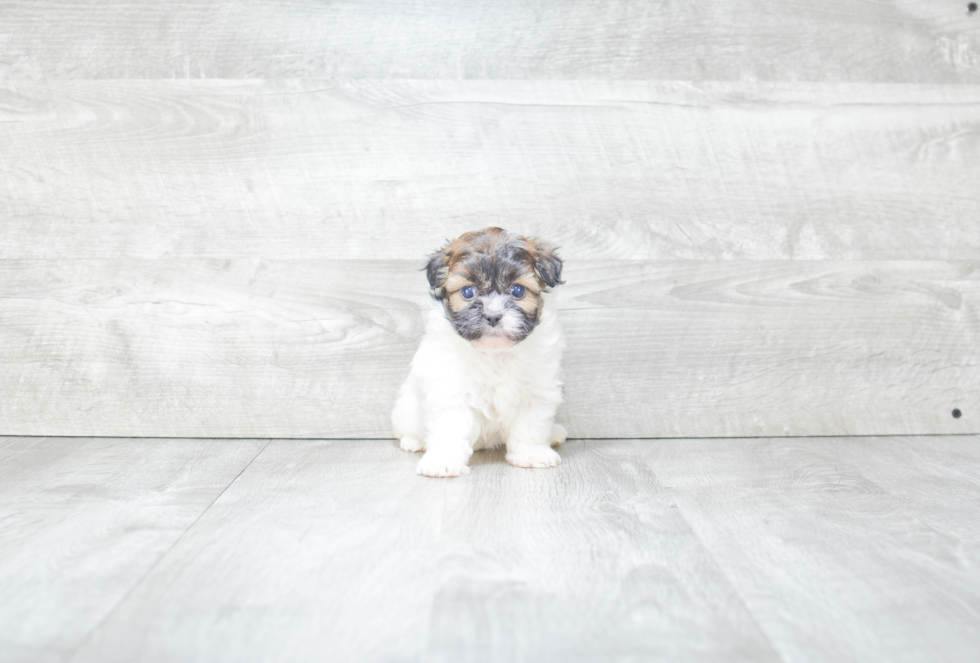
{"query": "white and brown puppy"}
[(487, 370)]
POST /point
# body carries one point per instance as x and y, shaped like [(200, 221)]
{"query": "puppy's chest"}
[(499, 390)]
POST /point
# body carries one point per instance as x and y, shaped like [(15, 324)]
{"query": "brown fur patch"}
[(455, 282), (531, 282), (488, 240), (456, 302), (492, 242), (547, 265), (491, 260), (531, 305)]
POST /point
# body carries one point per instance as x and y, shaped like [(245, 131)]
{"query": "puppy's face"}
[(490, 283)]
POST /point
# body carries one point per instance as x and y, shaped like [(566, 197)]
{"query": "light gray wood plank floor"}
[(845, 549), (84, 520)]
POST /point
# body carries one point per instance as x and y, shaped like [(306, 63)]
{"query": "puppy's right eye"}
[(468, 292)]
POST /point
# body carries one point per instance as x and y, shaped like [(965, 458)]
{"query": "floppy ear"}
[(437, 270), (547, 265)]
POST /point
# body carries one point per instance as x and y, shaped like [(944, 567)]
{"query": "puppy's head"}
[(490, 283)]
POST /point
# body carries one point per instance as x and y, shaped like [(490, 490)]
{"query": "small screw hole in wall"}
[(972, 7), (957, 414)]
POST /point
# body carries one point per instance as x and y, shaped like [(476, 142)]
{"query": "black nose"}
[(493, 318)]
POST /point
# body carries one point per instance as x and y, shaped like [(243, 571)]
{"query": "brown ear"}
[(547, 265)]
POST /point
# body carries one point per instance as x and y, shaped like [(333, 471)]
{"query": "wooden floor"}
[(820, 549)]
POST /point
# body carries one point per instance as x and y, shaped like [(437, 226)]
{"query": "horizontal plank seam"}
[(571, 439)]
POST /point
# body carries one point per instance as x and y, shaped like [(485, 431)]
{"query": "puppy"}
[(487, 370)]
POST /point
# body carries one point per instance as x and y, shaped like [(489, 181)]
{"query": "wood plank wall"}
[(214, 213)]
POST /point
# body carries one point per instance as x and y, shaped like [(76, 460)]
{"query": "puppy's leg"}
[(406, 418), (449, 439), (530, 439), (558, 434)]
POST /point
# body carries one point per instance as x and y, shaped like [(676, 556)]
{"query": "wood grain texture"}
[(843, 549), (388, 169), (339, 551), (895, 40), (586, 563), (324, 551), (264, 348), (83, 521)]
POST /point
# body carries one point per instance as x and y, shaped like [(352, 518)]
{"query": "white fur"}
[(459, 397)]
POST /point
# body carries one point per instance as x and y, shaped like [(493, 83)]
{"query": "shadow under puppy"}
[(487, 370)]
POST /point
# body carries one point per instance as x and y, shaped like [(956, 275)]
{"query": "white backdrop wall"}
[(214, 217)]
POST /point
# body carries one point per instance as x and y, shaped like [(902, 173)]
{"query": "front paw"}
[(538, 456), (442, 465), (411, 443)]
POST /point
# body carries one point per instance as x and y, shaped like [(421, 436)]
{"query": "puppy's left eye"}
[(468, 292), (517, 291)]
